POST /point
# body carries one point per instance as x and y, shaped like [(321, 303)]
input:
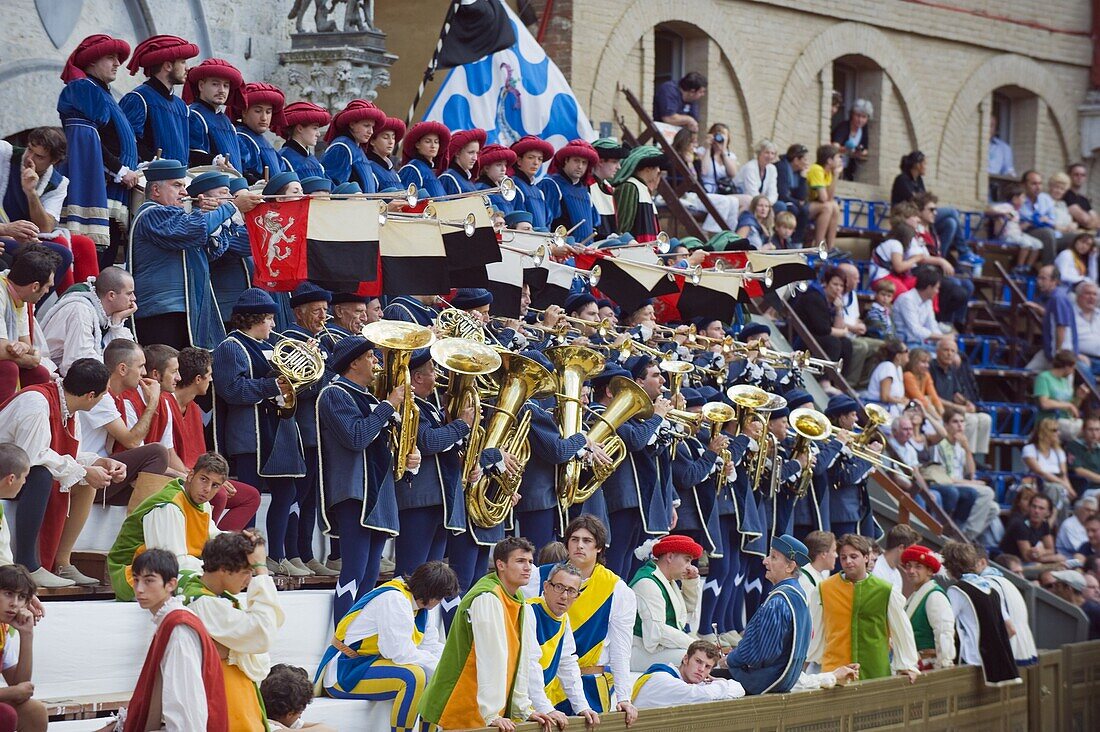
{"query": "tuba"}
[(521, 378), (809, 426), (574, 364), (719, 414), (747, 400), (300, 364), (398, 340), (465, 361), (628, 400)]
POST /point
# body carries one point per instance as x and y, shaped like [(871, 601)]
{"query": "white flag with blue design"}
[(511, 93)]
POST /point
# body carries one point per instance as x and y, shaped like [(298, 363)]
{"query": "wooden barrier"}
[(1061, 692)]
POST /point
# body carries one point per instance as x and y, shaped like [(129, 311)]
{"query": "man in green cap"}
[(635, 184), (602, 192)]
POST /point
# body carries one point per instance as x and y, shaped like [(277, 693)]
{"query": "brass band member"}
[(349, 315), (812, 511), (849, 503)]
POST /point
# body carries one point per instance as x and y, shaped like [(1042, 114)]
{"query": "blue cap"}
[(709, 393), (347, 350), (781, 413), (236, 185), (751, 330), (339, 298), (610, 371), (347, 189), (840, 404), (254, 301), (468, 298), (315, 183), (577, 300), (518, 217), (798, 397), (791, 548), (308, 292), (207, 181), (640, 304), (280, 181), (692, 396), (638, 365), (604, 302), (419, 357), (164, 169)]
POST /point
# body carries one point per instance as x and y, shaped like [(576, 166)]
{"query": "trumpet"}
[(538, 254), (694, 275), (398, 340), (506, 188), (662, 244), (677, 371), (721, 268), (809, 426), (603, 327), (801, 360), (632, 347), (555, 237)]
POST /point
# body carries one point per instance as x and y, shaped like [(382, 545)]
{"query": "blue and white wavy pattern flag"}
[(515, 92)]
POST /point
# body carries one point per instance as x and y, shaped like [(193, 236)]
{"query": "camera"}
[(719, 137)]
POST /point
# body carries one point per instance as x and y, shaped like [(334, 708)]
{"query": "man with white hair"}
[(1071, 534), (88, 317), (954, 382), (858, 370), (1087, 319)]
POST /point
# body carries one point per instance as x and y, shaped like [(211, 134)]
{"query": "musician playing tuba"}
[(812, 511)]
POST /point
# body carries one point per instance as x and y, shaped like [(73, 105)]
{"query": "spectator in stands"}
[(1037, 214), (890, 259), (1005, 226), (1043, 455), (759, 178), (1012, 563), (677, 103), (718, 165), (755, 223), (1031, 538), (42, 420), (954, 382), (88, 317), (785, 226), (1086, 318), (984, 624), (953, 453), (1080, 208), (1070, 585), (1083, 456), (1000, 152), (286, 692), (879, 320), (821, 309), (887, 383), (1055, 396), (16, 653), (913, 314), (1078, 262), (888, 564), (181, 650), (928, 609), (725, 201), (954, 303), (908, 184), (1071, 532), (857, 369), (854, 136), (1057, 187), (821, 180), (794, 192), (906, 452), (918, 382), (1091, 545), (31, 276)]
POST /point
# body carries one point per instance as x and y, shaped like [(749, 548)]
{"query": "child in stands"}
[(785, 224), (287, 692), (17, 709), (14, 466), (879, 319), (1005, 225)]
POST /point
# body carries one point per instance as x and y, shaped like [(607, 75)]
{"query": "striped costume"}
[(557, 651)]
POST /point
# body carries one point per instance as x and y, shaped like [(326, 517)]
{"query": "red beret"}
[(922, 554), (419, 130), (302, 113), (356, 110), (678, 544), (576, 149), (462, 138), (211, 68), (530, 142), (156, 50), (258, 92), (90, 50), (394, 125), (494, 154)]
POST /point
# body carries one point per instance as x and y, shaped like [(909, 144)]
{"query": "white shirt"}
[(1023, 643), (10, 658), (165, 528), (248, 632), (656, 633), (14, 321), (748, 179), (183, 701), (1088, 331), (391, 617), (1049, 462), (1066, 262), (486, 618), (26, 422), (1071, 534), (914, 317), (940, 616), (883, 570), (569, 670), (886, 370), (885, 252), (93, 426), (664, 690), (72, 329), (51, 202)]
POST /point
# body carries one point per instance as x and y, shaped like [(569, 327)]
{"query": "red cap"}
[(494, 154), (419, 130), (302, 113), (678, 544), (462, 138), (530, 142), (258, 92), (90, 50), (356, 110), (922, 554), (394, 124), (155, 50), (576, 149), (212, 68)]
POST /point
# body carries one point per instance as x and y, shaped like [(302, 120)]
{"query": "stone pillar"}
[(331, 69)]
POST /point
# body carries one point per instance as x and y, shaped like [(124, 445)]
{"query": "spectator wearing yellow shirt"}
[(821, 179)]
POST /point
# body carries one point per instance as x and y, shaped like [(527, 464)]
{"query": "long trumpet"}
[(429, 216), (506, 188), (721, 268), (603, 327), (538, 254), (821, 250), (555, 237), (573, 365), (398, 340), (662, 244), (694, 274)]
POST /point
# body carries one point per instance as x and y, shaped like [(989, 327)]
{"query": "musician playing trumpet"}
[(696, 470), (812, 511), (357, 481), (849, 502)]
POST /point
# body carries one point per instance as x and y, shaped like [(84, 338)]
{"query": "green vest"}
[(647, 571), (922, 629)]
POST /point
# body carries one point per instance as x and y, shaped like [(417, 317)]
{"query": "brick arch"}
[(640, 17), (847, 39), (1005, 70)]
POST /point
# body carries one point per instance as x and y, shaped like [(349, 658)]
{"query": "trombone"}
[(802, 360), (506, 188), (538, 254), (721, 268)]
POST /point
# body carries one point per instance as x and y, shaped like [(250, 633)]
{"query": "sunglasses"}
[(1048, 586)]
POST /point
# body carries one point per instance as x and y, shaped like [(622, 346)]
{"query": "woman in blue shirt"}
[(347, 137), (756, 223), (382, 144), (421, 152)]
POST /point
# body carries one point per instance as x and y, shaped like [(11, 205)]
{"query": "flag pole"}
[(429, 73)]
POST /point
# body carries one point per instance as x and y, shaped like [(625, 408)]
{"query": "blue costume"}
[(497, 200), (300, 160), (849, 503), (456, 180), (257, 154), (101, 143), (410, 310), (345, 161), (231, 271), (538, 510), (569, 204), (385, 175), (420, 172), (773, 649), (694, 476), (212, 134), (812, 513), (159, 120), (530, 198)]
